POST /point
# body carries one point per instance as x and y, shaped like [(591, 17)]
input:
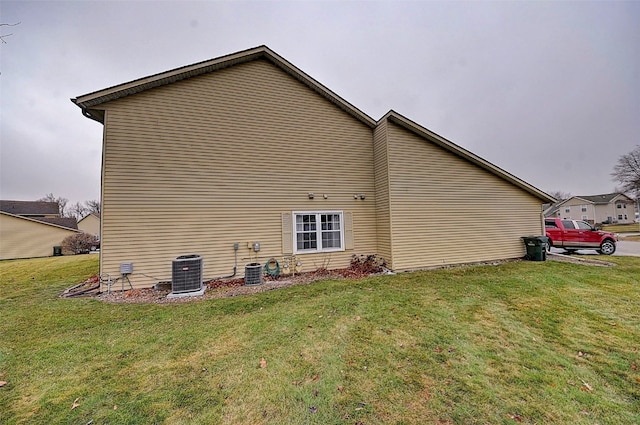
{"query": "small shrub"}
[(367, 264), (80, 243)]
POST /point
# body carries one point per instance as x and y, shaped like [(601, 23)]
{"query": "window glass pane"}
[(306, 237), (307, 241), (330, 230), (311, 237), (331, 239), (568, 224)]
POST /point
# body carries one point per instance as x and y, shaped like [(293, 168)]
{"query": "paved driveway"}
[(631, 248)]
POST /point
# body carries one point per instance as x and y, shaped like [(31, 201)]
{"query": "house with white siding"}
[(604, 208), (216, 157)]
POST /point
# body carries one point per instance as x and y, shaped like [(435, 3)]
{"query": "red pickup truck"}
[(572, 235)]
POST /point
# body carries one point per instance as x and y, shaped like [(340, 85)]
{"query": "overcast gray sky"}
[(549, 91)]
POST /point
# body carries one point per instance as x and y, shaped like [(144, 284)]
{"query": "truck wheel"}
[(607, 247), (548, 245)]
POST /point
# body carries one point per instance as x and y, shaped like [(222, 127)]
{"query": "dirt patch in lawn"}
[(579, 260)]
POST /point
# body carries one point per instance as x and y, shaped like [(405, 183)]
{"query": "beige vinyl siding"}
[(24, 238), (446, 210), (198, 165), (90, 224), (383, 212)]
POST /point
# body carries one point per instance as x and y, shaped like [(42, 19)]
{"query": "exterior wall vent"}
[(186, 276)]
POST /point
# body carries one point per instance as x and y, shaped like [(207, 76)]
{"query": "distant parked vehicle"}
[(572, 235)]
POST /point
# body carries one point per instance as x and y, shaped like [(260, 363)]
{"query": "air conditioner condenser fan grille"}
[(186, 274)]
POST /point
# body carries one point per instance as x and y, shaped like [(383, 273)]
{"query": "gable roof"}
[(68, 222), (29, 208), (601, 199), (90, 215), (61, 222), (464, 154), (551, 209), (89, 101), (597, 199)]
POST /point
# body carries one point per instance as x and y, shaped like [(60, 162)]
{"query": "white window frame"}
[(583, 208), (567, 210), (319, 247)]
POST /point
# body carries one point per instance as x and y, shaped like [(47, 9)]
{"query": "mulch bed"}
[(225, 288), (229, 287)]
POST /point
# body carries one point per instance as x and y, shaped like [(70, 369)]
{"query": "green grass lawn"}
[(520, 342), (622, 228)]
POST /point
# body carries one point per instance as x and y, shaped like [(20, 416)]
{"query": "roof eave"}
[(40, 222), (465, 154), (89, 101)]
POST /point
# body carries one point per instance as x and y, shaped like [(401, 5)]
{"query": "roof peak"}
[(89, 101)]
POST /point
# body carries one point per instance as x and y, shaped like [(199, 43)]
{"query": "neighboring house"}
[(31, 229), (247, 148), (32, 209), (90, 224), (595, 209)]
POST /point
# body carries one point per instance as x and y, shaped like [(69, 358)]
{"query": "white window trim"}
[(318, 232)]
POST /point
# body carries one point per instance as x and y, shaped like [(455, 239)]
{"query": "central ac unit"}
[(186, 276)]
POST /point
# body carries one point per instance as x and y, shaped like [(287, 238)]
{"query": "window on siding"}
[(583, 208), (619, 206), (619, 216), (567, 210), (318, 231)]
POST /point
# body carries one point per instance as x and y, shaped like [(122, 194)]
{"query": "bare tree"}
[(627, 172), (62, 202), (3, 36), (78, 210), (560, 195), (93, 207)]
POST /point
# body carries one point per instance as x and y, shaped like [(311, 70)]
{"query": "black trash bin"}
[(57, 251), (536, 247)]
